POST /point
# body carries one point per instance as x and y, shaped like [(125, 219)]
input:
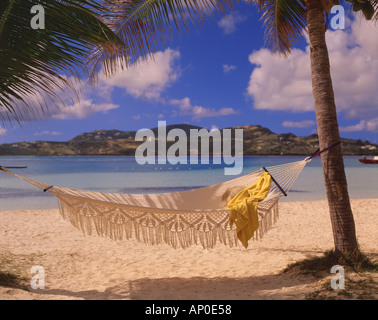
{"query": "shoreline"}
[(91, 267), (286, 200), (133, 156)]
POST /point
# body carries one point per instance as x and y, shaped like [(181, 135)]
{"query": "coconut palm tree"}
[(38, 66), (285, 21)]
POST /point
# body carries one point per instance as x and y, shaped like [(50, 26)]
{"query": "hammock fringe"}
[(100, 224)]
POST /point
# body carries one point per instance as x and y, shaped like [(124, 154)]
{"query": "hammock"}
[(180, 219)]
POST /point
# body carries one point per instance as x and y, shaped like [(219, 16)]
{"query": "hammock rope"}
[(180, 219)]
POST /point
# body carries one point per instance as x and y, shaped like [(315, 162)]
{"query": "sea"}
[(117, 174)]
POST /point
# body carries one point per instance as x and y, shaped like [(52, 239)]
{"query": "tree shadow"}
[(280, 286)]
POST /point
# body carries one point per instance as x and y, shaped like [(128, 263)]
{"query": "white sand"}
[(79, 267)]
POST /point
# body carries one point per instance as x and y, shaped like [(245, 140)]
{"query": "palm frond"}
[(369, 8), (284, 21), (37, 66), (146, 25)]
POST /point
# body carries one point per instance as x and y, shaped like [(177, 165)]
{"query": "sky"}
[(222, 74)]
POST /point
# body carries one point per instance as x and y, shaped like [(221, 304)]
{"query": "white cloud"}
[(38, 104), (362, 33), (47, 133), (279, 83), (228, 68), (364, 125), (228, 23), (75, 103), (3, 131), (146, 78), (298, 124), (185, 107), (82, 110), (148, 116)]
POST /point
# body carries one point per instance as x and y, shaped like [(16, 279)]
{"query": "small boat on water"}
[(15, 167), (369, 160)]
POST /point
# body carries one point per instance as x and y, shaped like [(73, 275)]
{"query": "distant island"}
[(257, 141)]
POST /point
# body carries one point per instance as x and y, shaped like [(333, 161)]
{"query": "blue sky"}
[(219, 75)]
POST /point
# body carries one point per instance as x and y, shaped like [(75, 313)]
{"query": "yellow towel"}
[(244, 208)]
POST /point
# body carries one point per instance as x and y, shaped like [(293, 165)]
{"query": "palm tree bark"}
[(332, 161)]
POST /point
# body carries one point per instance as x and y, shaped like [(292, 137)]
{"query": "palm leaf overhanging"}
[(146, 25), (37, 67), (285, 20), (369, 8)]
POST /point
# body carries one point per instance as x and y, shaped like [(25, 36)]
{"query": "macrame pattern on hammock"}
[(180, 219), (155, 226)]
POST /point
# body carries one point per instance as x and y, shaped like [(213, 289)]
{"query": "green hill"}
[(257, 141)]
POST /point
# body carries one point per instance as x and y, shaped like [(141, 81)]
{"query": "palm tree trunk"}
[(326, 117)]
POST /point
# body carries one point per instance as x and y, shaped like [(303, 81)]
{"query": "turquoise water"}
[(124, 175)]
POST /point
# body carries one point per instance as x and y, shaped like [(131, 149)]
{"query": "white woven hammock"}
[(180, 219)]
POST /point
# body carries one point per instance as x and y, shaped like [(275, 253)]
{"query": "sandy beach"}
[(90, 267)]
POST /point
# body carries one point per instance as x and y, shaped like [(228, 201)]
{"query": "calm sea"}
[(124, 175)]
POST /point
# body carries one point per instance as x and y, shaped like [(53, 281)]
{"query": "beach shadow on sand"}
[(282, 286)]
